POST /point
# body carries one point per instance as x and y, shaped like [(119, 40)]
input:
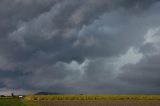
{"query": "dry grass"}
[(92, 97), (97, 103)]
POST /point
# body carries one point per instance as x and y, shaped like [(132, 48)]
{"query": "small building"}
[(20, 96)]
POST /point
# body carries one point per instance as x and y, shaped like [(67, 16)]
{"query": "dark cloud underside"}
[(80, 46)]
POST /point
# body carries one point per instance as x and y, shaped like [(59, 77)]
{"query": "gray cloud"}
[(144, 76), (77, 46)]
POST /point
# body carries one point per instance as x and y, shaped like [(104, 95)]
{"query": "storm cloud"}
[(80, 46)]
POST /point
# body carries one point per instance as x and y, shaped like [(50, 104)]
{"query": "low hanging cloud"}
[(73, 46), (144, 75)]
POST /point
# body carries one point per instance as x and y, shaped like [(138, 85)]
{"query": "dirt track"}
[(99, 103)]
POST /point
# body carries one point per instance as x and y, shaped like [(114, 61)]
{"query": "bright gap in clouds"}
[(132, 56)]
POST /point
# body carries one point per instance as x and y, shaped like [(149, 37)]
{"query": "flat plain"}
[(11, 102), (96, 103), (82, 100), (93, 100)]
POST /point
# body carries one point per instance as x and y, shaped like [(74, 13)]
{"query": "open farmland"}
[(11, 102), (82, 100), (93, 100), (96, 103), (92, 97)]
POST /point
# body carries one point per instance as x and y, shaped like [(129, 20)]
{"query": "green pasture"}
[(11, 102)]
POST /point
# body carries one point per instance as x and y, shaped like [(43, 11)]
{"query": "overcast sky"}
[(80, 46)]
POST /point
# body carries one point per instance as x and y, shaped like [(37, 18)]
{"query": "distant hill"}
[(47, 93)]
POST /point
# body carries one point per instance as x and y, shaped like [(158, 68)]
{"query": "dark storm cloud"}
[(75, 45), (17, 11), (139, 4), (143, 75), (144, 71)]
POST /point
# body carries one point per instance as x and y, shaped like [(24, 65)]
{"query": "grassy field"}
[(93, 100), (97, 103), (83, 100), (92, 97), (16, 102), (11, 102)]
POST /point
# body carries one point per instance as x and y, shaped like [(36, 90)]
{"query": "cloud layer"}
[(80, 46)]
